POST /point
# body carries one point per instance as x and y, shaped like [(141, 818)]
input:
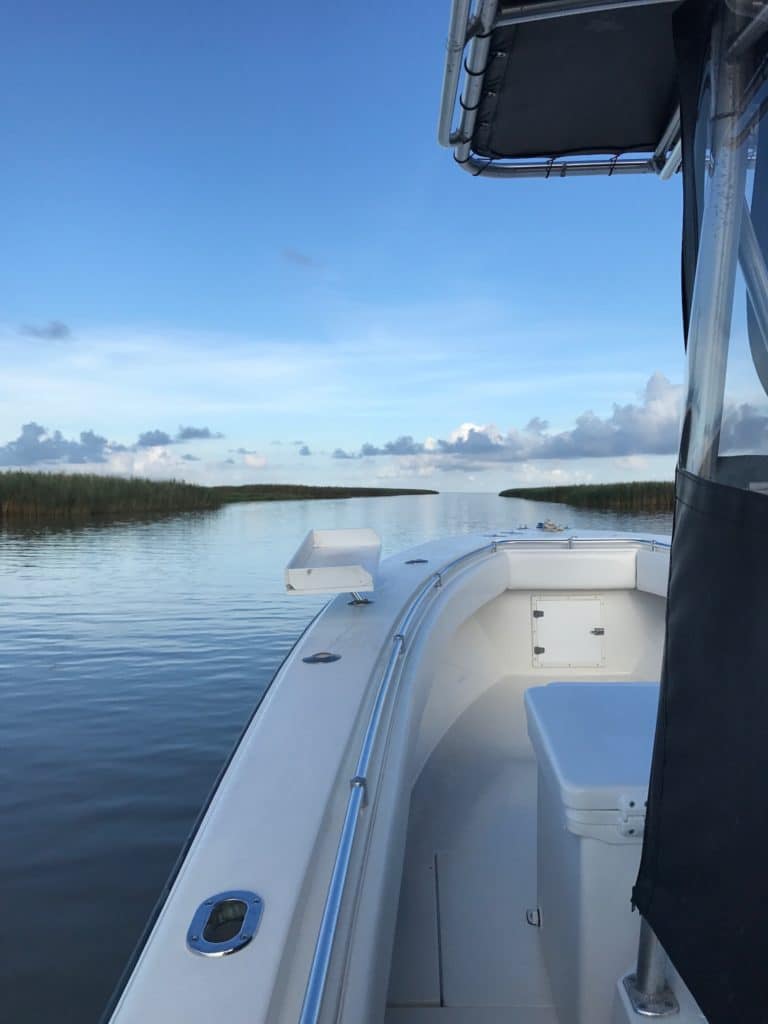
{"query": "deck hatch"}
[(225, 923), (567, 631)]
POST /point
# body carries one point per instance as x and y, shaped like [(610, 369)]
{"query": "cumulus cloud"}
[(649, 427), (36, 445), (156, 438), (54, 330), (305, 450), (197, 434), (404, 445), (745, 429), (250, 457), (153, 439)]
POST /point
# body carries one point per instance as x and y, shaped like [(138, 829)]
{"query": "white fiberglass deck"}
[(463, 949)]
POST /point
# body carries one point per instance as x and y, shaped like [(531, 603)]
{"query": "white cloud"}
[(401, 373), (647, 427), (465, 433)]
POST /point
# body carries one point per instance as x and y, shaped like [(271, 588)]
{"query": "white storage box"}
[(593, 744)]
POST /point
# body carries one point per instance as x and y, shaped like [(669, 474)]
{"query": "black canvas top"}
[(593, 83)]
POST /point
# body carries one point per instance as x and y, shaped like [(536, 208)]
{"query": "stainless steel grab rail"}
[(358, 796), (318, 975)]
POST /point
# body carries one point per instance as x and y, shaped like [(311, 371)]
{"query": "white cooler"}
[(593, 744)]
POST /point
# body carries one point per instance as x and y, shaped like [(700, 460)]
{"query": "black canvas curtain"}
[(703, 882)]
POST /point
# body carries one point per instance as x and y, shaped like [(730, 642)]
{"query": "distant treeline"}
[(40, 497), (31, 497), (301, 492), (641, 496)]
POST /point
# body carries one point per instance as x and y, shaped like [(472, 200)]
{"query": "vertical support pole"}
[(648, 989), (712, 304), (651, 962)]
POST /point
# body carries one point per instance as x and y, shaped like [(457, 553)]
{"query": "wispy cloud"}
[(377, 363), (54, 330), (300, 259), (401, 371)]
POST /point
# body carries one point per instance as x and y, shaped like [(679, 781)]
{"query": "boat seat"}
[(593, 745)]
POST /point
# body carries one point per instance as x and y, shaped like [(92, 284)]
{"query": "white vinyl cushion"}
[(595, 740)]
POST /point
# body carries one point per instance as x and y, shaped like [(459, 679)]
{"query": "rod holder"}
[(648, 989)]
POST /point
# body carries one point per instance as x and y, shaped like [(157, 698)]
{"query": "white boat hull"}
[(421, 915)]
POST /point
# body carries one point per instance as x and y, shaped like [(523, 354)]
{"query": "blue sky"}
[(235, 217)]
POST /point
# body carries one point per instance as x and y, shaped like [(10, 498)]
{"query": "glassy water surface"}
[(131, 656)]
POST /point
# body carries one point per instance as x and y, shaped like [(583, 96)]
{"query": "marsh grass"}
[(35, 497), (303, 492), (63, 497), (638, 496)]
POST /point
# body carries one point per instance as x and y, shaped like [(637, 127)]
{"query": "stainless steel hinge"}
[(631, 818)]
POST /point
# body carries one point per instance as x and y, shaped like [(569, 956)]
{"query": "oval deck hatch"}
[(225, 923)]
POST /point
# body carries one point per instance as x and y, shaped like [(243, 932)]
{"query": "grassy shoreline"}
[(304, 492), (639, 496), (61, 497), (36, 497)]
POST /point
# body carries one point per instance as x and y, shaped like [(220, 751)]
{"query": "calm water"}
[(131, 656)]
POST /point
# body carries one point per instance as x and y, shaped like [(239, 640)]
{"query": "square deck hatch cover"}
[(567, 631)]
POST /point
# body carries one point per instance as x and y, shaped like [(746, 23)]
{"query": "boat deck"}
[(464, 951)]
